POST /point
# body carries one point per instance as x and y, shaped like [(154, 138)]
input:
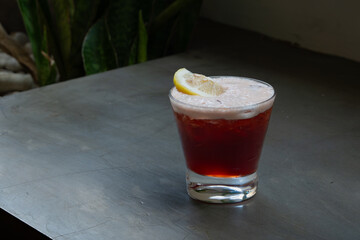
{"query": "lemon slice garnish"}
[(196, 84)]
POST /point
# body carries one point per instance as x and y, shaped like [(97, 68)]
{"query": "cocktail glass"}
[(222, 153)]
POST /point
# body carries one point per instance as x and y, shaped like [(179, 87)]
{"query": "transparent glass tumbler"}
[(222, 151)]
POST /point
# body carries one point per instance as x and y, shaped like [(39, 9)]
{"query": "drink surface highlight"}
[(243, 98)]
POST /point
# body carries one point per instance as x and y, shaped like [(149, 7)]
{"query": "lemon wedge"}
[(196, 84)]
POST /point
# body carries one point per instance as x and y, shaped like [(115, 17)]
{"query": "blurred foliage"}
[(71, 38)]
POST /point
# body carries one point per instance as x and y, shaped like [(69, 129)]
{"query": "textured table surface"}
[(99, 157)]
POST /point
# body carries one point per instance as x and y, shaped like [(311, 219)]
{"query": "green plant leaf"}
[(163, 30), (98, 53), (183, 27), (122, 21), (54, 49), (67, 25), (143, 39), (49, 68), (62, 34), (133, 52), (33, 18), (83, 17), (113, 37), (170, 12)]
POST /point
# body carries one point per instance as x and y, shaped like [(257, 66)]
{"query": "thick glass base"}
[(221, 190)]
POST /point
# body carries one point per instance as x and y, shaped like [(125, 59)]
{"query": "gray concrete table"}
[(99, 157)]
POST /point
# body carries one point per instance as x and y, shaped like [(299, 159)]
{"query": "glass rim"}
[(227, 108)]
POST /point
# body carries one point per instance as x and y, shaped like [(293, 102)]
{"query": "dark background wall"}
[(10, 16)]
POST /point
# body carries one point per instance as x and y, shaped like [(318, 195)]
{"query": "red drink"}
[(223, 148)]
